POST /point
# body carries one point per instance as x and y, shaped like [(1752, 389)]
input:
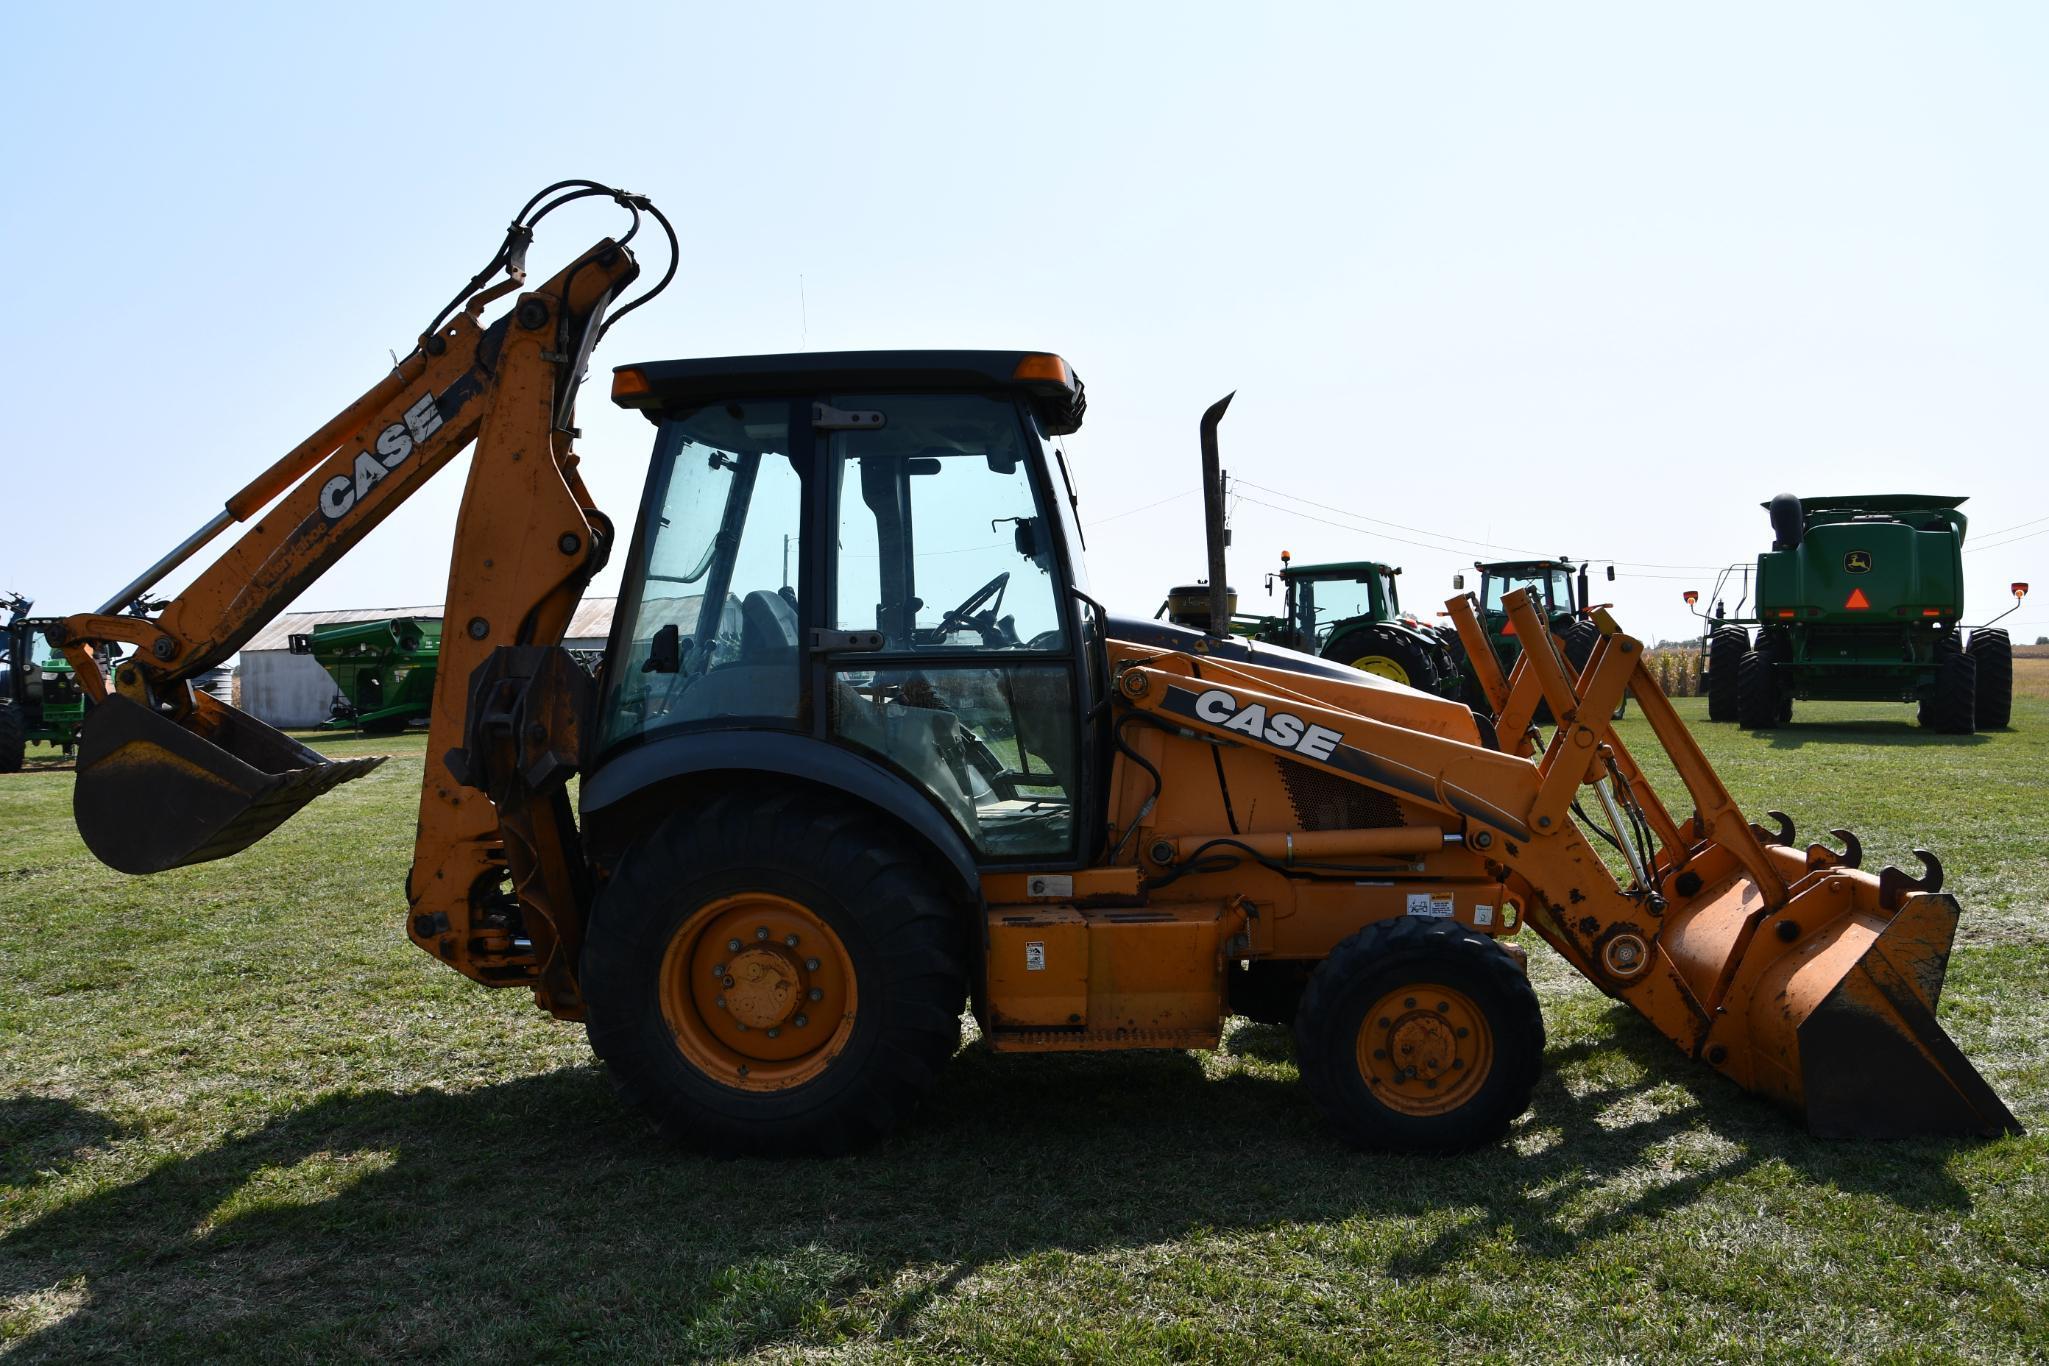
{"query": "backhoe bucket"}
[(153, 793)]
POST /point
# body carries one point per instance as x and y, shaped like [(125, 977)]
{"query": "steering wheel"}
[(978, 610)]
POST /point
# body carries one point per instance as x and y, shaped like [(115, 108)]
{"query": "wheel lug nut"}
[(743, 1029), (1443, 1007), (1430, 1081), (761, 932), (718, 970), (720, 1003), (1380, 1052), (811, 965), (1408, 1003), (790, 940), (1385, 1023), (774, 1033), (801, 1021), (1457, 1063), (815, 994), (732, 946), (1463, 1031)]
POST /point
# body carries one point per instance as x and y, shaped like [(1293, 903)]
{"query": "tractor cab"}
[(863, 569), (1319, 598)]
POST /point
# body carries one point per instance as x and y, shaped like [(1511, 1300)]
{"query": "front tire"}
[(1726, 648), (1757, 699), (1952, 704), (1419, 1035), (820, 1045), (1993, 650)]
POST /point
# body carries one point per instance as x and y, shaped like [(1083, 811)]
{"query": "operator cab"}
[(1322, 597), (875, 552)]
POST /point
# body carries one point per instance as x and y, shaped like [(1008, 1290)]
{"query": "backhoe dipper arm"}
[(170, 776)]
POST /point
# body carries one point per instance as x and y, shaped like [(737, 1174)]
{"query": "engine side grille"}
[(1324, 801)]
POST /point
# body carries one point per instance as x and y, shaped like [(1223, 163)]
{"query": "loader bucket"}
[(153, 793), (1841, 1017)]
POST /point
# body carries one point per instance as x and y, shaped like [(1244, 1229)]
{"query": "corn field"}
[(1676, 669)]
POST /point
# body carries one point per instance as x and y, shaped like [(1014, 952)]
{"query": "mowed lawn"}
[(240, 1116)]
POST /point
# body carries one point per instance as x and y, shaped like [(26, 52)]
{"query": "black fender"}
[(746, 754)]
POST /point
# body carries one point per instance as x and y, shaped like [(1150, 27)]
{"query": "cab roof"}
[(1046, 379)]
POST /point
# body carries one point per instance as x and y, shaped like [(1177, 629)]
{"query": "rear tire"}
[(1726, 648), (1757, 699), (13, 738), (879, 958), (1395, 658), (1435, 1000), (1952, 705), (1993, 650)]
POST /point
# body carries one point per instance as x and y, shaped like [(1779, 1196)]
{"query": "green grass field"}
[(241, 1117)]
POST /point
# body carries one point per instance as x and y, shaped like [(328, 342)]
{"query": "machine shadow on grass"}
[(522, 1213), (1909, 733)]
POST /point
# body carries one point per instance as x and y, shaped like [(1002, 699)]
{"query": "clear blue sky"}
[(1586, 279)]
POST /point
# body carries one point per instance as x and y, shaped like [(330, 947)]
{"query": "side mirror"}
[(664, 652), (1458, 581), (1611, 573)]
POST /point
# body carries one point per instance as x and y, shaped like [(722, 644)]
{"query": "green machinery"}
[(1351, 613), (1858, 599), (1560, 590), (40, 700), (385, 670)]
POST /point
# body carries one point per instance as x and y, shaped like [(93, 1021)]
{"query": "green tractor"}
[(385, 670), (1351, 613), (40, 700), (1859, 599), (1560, 590)]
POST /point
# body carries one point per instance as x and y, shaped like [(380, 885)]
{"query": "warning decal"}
[(1438, 904)]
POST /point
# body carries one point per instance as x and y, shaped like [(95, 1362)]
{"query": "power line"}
[(1132, 512), (2015, 527), (2001, 545)]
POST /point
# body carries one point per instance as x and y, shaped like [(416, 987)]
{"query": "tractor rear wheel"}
[(1385, 655), (1757, 694), (774, 972), (13, 738), (1726, 648), (1579, 641), (1952, 704), (1419, 1035), (1993, 650)]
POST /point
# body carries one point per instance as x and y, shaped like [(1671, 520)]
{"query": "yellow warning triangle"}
[(1857, 601)]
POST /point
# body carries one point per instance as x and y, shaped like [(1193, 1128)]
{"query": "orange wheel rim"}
[(1425, 1049), (758, 992)]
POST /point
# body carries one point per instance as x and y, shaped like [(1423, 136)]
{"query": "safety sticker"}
[(1436, 904), (1483, 915), (1035, 956)]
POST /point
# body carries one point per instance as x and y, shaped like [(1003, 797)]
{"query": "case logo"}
[(1857, 562), (393, 445), (1285, 729)]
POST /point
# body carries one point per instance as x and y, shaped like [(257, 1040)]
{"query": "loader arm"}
[(169, 776), (1788, 970)]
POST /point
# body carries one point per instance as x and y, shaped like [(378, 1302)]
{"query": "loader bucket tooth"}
[(1847, 1023), (153, 793)]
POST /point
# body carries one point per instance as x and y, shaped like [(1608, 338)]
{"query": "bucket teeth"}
[(153, 793)]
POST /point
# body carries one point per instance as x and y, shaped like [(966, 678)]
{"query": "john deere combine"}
[(40, 701), (385, 670), (1859, 599)]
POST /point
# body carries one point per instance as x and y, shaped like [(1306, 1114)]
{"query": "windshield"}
[(1552, 589), (1323, 604)]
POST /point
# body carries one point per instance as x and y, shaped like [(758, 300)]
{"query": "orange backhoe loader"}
[(863, 748)]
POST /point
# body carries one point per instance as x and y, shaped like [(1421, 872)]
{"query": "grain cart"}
[(40, 700), (866, 751), (1858, 599), (384, 669), (1351, 613)]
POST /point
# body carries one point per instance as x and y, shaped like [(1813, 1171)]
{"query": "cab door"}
[(948, 649)]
